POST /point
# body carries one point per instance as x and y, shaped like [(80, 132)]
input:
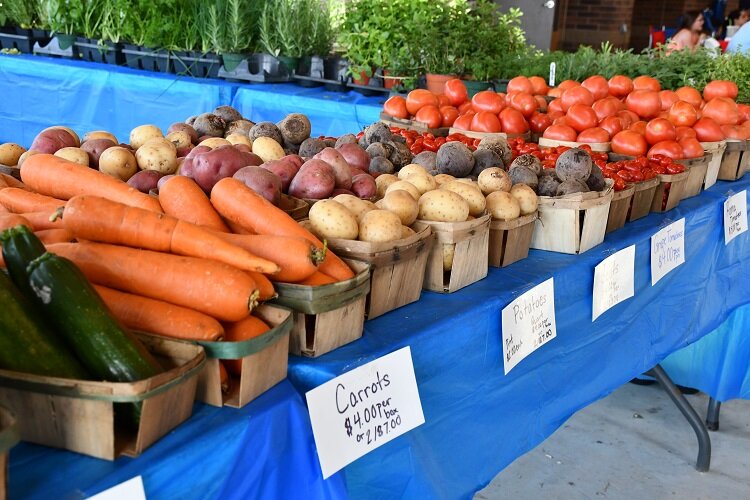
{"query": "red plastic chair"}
[(656, 37)]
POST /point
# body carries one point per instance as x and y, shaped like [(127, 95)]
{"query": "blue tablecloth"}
[(479, 420), (39, 92), (264, 450)]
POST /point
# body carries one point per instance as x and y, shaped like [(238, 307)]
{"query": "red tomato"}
[(620, 86), (682, 114), (488, 100), (396, 107), (449, 115), (644, 103), (513, 121), (597, 85), (611, 124), (609, 106), (523, 102), (567, 84), (581, 117), (485, 121), (463, 122), (629, 143), (520, 84), (555, 106), (555, 92), (560, 133), (418, 98), (430, 116), (538, 85), (554, 115), (628, 118), (560, 120), (720, 88), (691, 148), (443, 100), (538, 122), (541, 103), (593, 135), (659, 130), (685, 132), (466, 107), (667, 98), (576, 95), (639, 127), (707, 130), (644, 82), (722, 110), (690, 95), (735, 132), (672, 149), (744, 110), (455, 91)]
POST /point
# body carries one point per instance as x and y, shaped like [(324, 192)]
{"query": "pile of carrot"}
[(181, 265)]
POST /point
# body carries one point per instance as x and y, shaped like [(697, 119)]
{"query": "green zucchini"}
[(20, 246), (80, 316), (27, 345)]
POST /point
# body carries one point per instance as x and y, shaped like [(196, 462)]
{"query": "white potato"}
[(179, 138), (470, 193), (358, 207), (449, 251), (99, 134), (240, 139), (139, 135), (406, 231), (402, 204), (76, 155), (503, 206), (215, 142), (331, 220), (404, 186), (527, 198), (10, 153), (423, 182), (494, 179), (118, 162), (443, 206), (157, 155), (441, 179), (383, 181), (267, 149), (410, 169), (380, 226)]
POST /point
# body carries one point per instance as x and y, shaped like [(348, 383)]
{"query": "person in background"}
[(740, 42), (689, 32)]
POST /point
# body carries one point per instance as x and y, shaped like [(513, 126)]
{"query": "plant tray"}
[(83, 419), (669, 191), (310, 71), (195, 64), (603, 147), (643, 196), (137, 57), (698, 169), (328, 316), (397, 268), (510, 240), (17, 39), (9, 437), (619, 208), (94, 51), (264, 362), (717, 154), (574, 223), (413, 125), (260, 68), (52, 49), (736, 160), (470, 242)]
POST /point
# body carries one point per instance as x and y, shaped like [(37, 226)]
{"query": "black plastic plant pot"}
[(16, 38), (183, 62), (288, 64), (231, 61), (259, 68), (207, 65), (58, 46), (310, 71), (336, 71), (100, 52), (138, 57)]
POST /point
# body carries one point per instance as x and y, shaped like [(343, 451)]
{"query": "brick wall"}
[(591, 22)]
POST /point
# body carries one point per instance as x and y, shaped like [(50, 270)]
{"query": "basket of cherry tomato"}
[(425, 141), (667, 177)]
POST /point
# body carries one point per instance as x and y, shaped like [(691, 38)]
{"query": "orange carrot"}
[(41, 220), (60, 178), (4, 210), (183, 199), (20, 201), (98, 219), (3, 184), (245, 329), (8, 221), (161, 318), (297, 257), (208, 286), (317, 279), (265, 287), (243, 206), (13, 182), (50, 236), (237, 229), (223, 377)]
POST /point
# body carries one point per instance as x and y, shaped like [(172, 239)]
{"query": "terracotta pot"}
[(436, 83), (389, 83), (362, 80)]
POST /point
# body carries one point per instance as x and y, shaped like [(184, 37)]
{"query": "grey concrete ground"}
[(634, 444)]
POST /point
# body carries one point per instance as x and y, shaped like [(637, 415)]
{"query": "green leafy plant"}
[(21, 13), (295, 28), (225, 26), (61, 16)]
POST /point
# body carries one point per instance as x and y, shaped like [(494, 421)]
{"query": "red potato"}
[(284, 169), (184, 127), (94, 148), (145, 180), (315, 180), (186, 168), (295, 160), (243, 147), (356, 171), (364, 186), (339, 165), (355, 156), (53, 139), (337, 192), (265, 183), (183, 152), (210, 167), (164, 179)]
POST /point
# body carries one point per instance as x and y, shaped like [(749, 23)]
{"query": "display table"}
[(479, 420), (39, 92), (264, 450)]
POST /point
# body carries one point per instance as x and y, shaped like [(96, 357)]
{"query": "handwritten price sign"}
[(613, 281), (735, 216), (363, 409), (667, 250)]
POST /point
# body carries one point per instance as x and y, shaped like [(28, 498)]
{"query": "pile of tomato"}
[(549, 156), (425, 141), (640, 169)]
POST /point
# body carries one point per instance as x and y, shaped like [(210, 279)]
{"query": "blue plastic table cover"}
[(479, 420), (41, 92), (264, 450)]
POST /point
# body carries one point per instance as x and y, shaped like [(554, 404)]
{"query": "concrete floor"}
[(634, 444)]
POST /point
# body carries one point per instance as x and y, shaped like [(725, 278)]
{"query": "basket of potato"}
[(380, 235)]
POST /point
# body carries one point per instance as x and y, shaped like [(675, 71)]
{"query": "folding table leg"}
[(712, 416), (704, 441)]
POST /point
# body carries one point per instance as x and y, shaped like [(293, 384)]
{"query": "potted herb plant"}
[(321, 33), (62, 20), (229, 29), (445, 35), (18, 20), (143, 31)]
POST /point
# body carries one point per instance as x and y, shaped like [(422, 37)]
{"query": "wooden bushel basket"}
[(510, 240), (9, 437), (12, 171), (643, 196), (574, 223), (396, 268), (328, 316), (717, 154), (297, 209), (736, 160), (412, 125), (674, 185), (264, 361), (697, 170), (470, 255), (602, 147), (79, 415), (619, 208)]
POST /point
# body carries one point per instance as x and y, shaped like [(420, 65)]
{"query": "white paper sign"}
[(735, 216), (363, 409), (132, 489), (667, 250), (613, 280), (528, 323), (552, 71)]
